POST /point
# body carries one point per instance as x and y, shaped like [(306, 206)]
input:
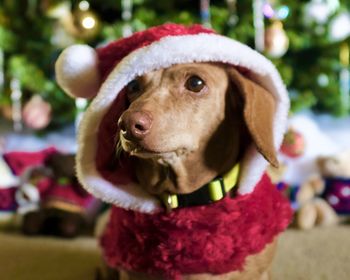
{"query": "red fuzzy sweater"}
[(215, 238)]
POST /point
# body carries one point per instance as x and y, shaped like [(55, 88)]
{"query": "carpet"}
[(318, 254)]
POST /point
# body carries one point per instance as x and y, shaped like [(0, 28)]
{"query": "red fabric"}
[(111, 54), (207, 239), (7, 199), (48, 188), (116, 170), (20, 161)]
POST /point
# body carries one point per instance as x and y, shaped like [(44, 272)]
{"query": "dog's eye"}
[(133, 86), (195, 84)]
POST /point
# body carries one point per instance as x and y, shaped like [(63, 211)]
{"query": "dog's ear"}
[(258, 112)]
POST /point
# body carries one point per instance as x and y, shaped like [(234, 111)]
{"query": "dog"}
[(180, 131), (179, 124)]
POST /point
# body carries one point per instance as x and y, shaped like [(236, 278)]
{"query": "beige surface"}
[(321, 254)]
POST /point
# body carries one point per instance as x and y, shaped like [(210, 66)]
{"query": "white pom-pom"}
[(77, 71)]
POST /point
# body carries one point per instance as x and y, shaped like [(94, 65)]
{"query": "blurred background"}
[(307, 40)]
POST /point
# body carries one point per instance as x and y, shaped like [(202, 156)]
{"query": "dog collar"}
[(211, 192)]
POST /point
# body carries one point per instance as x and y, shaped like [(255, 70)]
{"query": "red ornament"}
[(37, 113), (293, 144)]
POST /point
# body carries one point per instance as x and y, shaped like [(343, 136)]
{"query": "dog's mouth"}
[(138, 150)]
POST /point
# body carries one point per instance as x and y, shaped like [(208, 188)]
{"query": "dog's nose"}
[(136, 124)]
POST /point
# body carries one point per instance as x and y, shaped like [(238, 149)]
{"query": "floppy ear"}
[(259, 109)]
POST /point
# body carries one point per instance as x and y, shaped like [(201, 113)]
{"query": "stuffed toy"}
[(335, 170), (310, 209), (48, 197), (182, 161)]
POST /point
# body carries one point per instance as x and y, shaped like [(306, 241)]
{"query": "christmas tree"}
[(308, 41)]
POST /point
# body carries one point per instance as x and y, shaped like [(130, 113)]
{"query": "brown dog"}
[(192, 119)]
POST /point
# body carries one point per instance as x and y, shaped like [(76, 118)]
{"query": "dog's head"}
[(178, 103), (196, 115)]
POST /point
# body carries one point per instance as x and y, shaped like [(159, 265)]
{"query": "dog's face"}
[(189, 116), (173, 110)]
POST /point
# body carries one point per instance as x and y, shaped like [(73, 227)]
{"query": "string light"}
[(16, 96), (88, 22), (84, 5)]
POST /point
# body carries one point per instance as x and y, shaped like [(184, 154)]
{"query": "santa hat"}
[(104, 72)]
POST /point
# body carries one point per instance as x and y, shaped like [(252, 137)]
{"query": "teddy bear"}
[(310, 208), (335, 169)]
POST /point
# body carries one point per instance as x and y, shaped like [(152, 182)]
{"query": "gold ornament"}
[(82, 23), (276, 40), (85, 23)]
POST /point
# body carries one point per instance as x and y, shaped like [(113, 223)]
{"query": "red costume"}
[(215, 238)]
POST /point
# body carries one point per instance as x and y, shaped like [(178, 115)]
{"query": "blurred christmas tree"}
[(307, 40)]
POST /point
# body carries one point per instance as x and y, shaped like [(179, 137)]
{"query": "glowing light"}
[(283, 12), (339, 27), (84, 5), (323, 80), (88, 22), (268, 10)]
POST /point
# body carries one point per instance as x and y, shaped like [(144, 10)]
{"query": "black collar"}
[(211, 192)]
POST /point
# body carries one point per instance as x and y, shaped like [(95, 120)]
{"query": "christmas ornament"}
[(205, 12), (293, 144), (276, 40), (16, 96), (37, 113), (61, 12), (82, 23), (339, 27), (126, 17), (56, 10), (60, 37), (86, 23)]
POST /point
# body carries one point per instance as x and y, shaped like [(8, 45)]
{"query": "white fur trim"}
[(77, 72), (162, 54)]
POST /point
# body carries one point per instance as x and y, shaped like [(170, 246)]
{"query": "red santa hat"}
[(103, 73)]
